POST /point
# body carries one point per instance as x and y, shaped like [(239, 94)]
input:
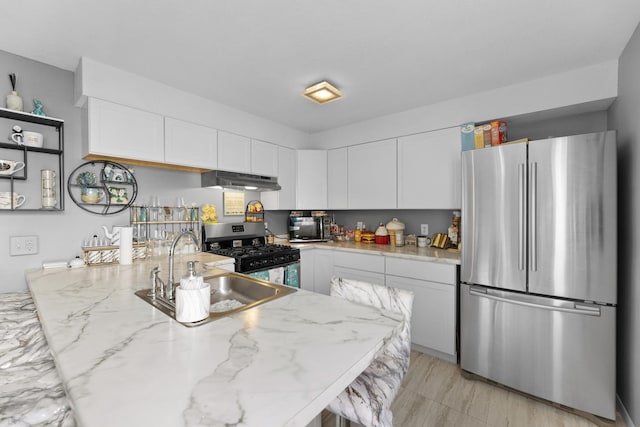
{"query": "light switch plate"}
[(424, 229)]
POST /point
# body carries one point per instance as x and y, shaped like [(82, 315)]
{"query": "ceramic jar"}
[(14, 101), (395, 227)]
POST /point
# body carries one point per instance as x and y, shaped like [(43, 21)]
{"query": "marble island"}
[(124, 363)]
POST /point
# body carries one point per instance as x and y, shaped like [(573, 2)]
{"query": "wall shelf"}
[(21, 182), (127, 188)]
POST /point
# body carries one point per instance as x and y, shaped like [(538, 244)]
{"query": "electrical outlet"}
[(266, 225), (23, 245), (424, 229)]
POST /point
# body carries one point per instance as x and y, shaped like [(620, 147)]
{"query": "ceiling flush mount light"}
[(322, 92)]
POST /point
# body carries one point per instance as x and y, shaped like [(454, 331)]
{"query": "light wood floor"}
[(434, 393)]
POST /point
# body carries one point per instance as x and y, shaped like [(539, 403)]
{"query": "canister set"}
[(48, 178)]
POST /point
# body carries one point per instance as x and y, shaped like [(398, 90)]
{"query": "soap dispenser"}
[(190, 280)]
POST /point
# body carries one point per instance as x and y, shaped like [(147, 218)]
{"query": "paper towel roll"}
[(126, 245)]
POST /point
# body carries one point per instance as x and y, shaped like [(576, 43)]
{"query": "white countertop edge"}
[(421, 254)]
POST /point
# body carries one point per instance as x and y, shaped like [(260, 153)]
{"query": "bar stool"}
[(367, 400)]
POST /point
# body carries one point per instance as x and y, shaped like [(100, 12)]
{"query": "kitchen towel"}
[(126, 245)]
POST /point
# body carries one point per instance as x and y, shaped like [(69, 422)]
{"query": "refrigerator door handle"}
[(521, 216), (579, 308), (532, 216)]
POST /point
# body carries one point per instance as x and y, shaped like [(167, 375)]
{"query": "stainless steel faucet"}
[(171, 281), (157, 285)]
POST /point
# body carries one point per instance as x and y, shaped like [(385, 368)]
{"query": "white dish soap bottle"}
[(191, 281)]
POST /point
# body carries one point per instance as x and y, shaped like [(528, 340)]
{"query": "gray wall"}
[(60, 234), (624, 115)]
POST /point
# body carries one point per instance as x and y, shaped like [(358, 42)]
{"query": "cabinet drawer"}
[(373, 263), (361, 275), (421, 270)]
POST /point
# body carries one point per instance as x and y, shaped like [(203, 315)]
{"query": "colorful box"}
[(467, 137), (486, 129), (498, 132), (478, 137)]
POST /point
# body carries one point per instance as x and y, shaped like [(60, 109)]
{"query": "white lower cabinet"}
[(434, 315), (306, 269), (322, 270), (359, 266), (433, 319), (316, 270)]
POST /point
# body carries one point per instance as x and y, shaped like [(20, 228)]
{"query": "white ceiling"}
[(387, 56)]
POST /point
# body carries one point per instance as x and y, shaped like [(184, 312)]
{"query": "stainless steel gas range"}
[(246, 243)]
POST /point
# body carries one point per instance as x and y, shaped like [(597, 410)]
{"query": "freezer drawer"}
[(558, 350)]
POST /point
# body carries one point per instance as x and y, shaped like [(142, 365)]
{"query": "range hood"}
[(239, 181)]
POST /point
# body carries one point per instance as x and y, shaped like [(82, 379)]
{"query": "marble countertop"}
[(447, 256), (124, 363)]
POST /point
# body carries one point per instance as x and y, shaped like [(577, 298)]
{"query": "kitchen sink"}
[(227, 292)]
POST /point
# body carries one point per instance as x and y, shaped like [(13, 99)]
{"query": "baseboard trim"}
[(623, 412)]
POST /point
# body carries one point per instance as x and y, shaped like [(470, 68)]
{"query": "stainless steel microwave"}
[(309, 229)]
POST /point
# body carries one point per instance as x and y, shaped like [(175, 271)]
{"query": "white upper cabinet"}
[(429, 170), (337, 167), (234, 152), (120, 131), (372, 175), (189, 144), (312, 179), (264, 158), (286, 197)]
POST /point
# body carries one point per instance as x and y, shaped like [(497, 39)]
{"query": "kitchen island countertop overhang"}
[(125, 363)]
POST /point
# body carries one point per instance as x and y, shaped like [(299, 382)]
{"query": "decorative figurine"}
[(14, 102), (38, 111)]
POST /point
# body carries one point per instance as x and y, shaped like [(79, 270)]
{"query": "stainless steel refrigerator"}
[(538, 293)]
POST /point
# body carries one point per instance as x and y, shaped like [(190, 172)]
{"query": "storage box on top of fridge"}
[(466, 136)]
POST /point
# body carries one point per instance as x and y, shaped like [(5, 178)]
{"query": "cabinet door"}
[(264, 158), (322, 270), (285, 198), (306, 269), (312, 180), (234, 152), (372, 175), (125, 132), (433, 318), (337, 179), (429, 170), (189, 144)]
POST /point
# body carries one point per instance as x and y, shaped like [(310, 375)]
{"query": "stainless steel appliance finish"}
[(246, 243), (558, 350), (539, 264), (228, 286), (239, 181), (309, 229)]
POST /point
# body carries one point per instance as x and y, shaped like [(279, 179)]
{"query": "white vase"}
[(14, 102)]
